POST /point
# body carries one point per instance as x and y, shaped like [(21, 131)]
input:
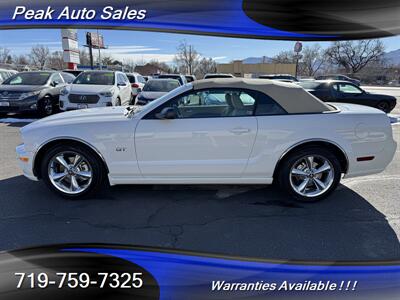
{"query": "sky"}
[(142, 46)]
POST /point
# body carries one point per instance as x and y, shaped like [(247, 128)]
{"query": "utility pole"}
[(99, 52)]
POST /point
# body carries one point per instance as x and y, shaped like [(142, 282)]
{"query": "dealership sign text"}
[(66, 13)]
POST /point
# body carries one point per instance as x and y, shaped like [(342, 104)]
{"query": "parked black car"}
[(338, 77), (33, 92), (190, 78), (344, 91)]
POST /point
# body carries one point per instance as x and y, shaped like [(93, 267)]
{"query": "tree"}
[(187, 58), (285, 57), (162, 66), (4, 55), (313, 58), (39, 56), (107, 60), (84, 57), (206, 65), (129, 65), (355, 55), (56, 60), (21, 60)]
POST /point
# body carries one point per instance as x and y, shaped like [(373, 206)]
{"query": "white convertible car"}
[(216, 131)]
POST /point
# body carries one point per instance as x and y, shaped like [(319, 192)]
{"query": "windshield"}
[(35, 78), (97, 78), (160, 85), (153, 104)]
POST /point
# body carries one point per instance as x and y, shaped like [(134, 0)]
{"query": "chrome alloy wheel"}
[(70, 172), (311, 175)]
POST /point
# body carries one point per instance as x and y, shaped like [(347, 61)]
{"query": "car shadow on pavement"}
[(253, 221)]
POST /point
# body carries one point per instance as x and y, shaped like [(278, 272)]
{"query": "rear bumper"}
[(381, 160), (25, 160)]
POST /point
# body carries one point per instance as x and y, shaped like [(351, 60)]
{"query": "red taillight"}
[(134, 85)]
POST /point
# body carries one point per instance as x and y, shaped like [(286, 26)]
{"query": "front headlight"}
[(107, 94), (64, 92), (29, 94)]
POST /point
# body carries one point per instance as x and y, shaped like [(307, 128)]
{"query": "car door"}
[(348, 93), (207, 138)]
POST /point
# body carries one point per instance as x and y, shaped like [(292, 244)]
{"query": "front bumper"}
[(25, 161), (66, 105), (27, 104)]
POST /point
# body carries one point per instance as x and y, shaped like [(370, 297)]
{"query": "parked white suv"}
[(96, 89), (137, 83)]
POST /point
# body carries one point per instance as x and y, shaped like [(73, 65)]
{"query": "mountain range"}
[(392, 57)]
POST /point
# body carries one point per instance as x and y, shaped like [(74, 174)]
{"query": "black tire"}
[(45, 106), (98, 180), (118, 102), (384, 106), (284, 176)]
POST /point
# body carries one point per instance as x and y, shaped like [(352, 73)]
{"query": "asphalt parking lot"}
[(360, 221)]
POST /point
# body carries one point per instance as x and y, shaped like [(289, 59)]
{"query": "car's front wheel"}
[(45, 107), (310, 174), (73, 171)]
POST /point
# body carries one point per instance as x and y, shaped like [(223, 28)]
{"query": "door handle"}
[(240, 130)]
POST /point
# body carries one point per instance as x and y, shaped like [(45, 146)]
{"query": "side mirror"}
[(167, 113), (55, 83)]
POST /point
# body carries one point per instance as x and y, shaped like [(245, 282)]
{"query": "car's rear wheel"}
[(384, 106), (310, 174), (72, 171)]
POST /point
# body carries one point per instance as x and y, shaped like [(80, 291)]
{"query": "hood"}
[(91, 115), (151, 95), (89, 88), (21, 88)]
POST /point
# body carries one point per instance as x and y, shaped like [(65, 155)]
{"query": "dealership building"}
[(239, 69)]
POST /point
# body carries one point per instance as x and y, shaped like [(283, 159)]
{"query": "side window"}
[(266, 106), (132, 79), (121, 79), (68, 78), (141, 79), (56, 77), (348, 88), (125, 78), (211, 103)]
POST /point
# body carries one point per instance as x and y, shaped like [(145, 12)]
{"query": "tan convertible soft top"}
[(293, 98)]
